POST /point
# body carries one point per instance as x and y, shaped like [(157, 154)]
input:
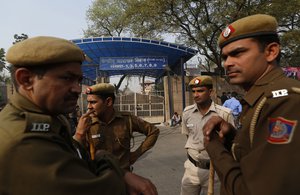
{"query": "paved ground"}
[(163, 164)]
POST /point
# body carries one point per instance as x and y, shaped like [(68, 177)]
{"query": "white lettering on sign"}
[(280, 93), (40, 127)]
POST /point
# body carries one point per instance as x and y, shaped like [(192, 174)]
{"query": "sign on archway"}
[(126, 63)]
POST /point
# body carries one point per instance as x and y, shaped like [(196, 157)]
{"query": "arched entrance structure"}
[(109, 56)]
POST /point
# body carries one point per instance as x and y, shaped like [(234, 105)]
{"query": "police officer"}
[(265, 152), (37, 155), (111, 130), (195, 178)]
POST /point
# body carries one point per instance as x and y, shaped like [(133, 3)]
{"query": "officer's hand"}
[(216, 126), (137, 185), (83, 126)]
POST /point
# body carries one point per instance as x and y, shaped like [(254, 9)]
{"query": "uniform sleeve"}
[(150, 131), (227, 168), (184, 129), (240, 108), (230, 119), (271, 165), (46, 165)]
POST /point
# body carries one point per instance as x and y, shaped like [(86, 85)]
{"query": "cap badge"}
[(88, 90), (227, 32), (197, 81)]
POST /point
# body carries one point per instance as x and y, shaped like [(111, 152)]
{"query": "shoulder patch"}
[(37, 122), (281, 130), (280, 93)]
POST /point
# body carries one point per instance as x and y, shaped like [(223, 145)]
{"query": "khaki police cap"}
[(251, 26), (43, 50), (201, 81), (101, 88)]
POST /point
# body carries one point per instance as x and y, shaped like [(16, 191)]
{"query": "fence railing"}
[(141, 105)]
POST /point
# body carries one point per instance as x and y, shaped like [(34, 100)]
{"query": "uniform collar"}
[(22, 103), (115, 115), (212, 108), (34, 115), (259, 87)]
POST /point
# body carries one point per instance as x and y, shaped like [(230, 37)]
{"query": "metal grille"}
[(141, 105)]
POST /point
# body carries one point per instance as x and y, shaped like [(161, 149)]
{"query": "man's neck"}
[(204, 107), (107, 116)]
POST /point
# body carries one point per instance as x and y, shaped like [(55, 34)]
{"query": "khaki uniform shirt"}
[(37, 156), (193, 122), (116, 137), (265, 158)]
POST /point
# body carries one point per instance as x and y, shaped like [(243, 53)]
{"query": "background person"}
[(264, 157), (37, 154), (196, 175), (223, 97), (234, 104), (111, 130), (175, 120)]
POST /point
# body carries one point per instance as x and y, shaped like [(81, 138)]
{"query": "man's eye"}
[(224, 58), (67, 78)]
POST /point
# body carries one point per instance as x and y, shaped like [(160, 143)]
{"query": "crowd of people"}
[(252, 143)]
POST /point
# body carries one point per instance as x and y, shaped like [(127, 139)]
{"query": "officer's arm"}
[(150, 131)]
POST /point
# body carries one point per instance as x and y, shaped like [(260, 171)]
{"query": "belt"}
[(202, 163)]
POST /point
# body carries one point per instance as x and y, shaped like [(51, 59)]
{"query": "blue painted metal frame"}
[(98, 47)]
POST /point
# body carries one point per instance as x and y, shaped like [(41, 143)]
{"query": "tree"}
[(106, 18), (198, 23), (2, 59), (3, 66), (19, 38)]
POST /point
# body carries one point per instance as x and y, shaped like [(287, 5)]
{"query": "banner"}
[(292, 72), (127, 63)]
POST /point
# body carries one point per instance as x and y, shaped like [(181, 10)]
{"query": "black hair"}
[(106, 95), (265, 40), (234, 94)]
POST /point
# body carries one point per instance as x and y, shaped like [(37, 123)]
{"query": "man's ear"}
[(24, 78), (211, 91), (109, 101), (272, 51)]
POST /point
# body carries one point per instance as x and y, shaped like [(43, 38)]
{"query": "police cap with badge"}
[(101, 89), (201, 81), (42, 51), (251, 26)]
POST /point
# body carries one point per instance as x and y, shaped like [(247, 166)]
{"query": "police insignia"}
[(281, 130), (88, 90), (228, 31)]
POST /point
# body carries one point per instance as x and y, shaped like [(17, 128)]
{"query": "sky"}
[(60, 18)]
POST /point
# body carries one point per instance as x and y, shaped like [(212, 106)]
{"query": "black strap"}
[(202, 163)]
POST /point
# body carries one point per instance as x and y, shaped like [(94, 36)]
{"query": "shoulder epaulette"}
[(189, 108), (227, 110), (296, 90)]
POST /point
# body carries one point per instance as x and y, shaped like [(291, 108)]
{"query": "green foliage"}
[(106, 18), (194, 23), (19, 38), (3, 66), (3, 77), (2, 59)]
